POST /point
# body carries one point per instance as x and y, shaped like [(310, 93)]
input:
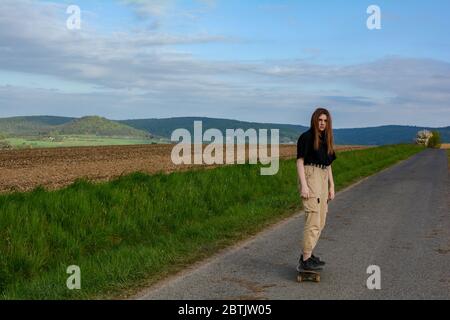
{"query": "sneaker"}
[(317, 260), (308, 265)]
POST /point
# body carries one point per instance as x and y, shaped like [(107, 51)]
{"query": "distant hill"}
[(93, 125), (32, 125), (384, 135), (165, 127), (289, 133)]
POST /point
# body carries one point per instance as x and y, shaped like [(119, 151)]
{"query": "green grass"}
[(130, 232), (75, 141)]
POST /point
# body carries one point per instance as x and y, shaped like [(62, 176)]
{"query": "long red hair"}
[(328, 129)]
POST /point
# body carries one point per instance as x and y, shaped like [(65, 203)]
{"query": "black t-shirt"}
[(305, 149)]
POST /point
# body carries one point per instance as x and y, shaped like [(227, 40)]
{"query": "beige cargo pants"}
[(316, 206)]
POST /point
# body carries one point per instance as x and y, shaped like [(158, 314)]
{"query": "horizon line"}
[(206, 117)]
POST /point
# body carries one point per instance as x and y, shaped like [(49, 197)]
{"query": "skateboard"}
[(305, 275)]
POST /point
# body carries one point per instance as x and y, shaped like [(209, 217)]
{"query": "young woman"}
[(315, 153)]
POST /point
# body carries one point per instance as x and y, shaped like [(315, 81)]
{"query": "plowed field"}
[(52, 168)]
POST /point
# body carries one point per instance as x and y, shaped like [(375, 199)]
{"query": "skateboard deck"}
[(305, 275)]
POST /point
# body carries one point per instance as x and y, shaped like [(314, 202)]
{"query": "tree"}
[(423, 136), (435, 140)]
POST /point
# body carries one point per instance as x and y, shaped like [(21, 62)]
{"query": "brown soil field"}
[(53, 168)]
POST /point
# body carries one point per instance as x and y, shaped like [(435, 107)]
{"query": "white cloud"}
[(159, 10), (152, 8)]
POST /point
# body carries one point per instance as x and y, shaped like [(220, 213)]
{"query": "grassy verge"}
[(137, 229), (75, 141), (448, 154)]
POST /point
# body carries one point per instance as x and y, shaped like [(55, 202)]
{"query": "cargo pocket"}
[(310, 205)]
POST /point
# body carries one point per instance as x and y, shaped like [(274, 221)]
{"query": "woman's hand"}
[(331, 193), (305, 192)]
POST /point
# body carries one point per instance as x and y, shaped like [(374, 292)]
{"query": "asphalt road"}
[(398, 219)]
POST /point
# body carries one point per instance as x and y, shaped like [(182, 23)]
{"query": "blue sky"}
[(266, 61), (268, 29)]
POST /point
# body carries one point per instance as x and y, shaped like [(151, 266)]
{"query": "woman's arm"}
[(304, 191), (330, 184)]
